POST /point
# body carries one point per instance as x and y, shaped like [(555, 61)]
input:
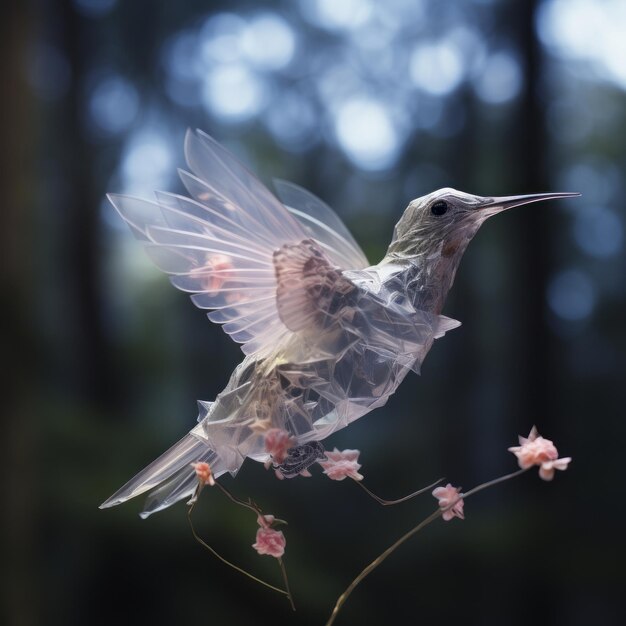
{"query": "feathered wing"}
[(323, 225), (219, 245)]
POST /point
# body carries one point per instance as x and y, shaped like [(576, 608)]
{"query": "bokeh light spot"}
[(571, 295), (598, 179), (599, 232), (113, 104), (146, 163), (292, 121), (233, 92), (589, 31), (436, 68), (337, 15), (180, 56), (268, 42), (500, 79), (220, 39), (366, 133)]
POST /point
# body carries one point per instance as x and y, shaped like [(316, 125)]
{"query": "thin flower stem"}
[(223, 560), (399, 500), (431, 518), (493, 482), (254, 507), (248, 505), (377, 561), (284, 573)]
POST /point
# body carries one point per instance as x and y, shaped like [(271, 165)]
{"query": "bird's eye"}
[(439, 208)]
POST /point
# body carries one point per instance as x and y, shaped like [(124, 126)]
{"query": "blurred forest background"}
[(369, 105)]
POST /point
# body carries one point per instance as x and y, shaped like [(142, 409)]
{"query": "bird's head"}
[(442, 223)]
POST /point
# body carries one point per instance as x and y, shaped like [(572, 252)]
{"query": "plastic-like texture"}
[(326, 338)]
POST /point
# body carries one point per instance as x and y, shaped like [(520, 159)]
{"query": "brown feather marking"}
[(307, 285)]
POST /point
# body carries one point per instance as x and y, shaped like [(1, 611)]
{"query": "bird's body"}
[(327, 338)]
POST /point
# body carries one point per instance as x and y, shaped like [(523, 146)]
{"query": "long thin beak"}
[(495, 205)]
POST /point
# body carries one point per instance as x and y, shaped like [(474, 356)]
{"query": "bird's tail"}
[(171, 476)]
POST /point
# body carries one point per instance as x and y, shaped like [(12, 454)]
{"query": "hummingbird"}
[(327, 337)]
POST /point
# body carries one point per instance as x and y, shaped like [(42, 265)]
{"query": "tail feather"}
[(181, 486), (173, 468)]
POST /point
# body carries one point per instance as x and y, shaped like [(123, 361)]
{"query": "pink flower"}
[(446, 496), (342, 465), (546, 471), (204, 474), (270, 541), (212, 274), (277, 442), (266, 521), (535, 450)]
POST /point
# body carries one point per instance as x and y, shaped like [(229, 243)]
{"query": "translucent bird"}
[(327, 337)]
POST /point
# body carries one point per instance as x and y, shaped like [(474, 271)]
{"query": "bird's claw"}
[(300, 458)]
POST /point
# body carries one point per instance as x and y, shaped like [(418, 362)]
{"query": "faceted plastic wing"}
[(322, 224), (219, 245)]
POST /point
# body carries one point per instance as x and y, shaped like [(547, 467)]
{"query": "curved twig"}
[(226, 561), (431, 518), (399, 500)]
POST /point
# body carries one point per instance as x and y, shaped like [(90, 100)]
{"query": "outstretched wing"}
[(322, 224), (221, 244)]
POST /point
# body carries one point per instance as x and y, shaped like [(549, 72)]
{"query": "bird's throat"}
[(427, 279)]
